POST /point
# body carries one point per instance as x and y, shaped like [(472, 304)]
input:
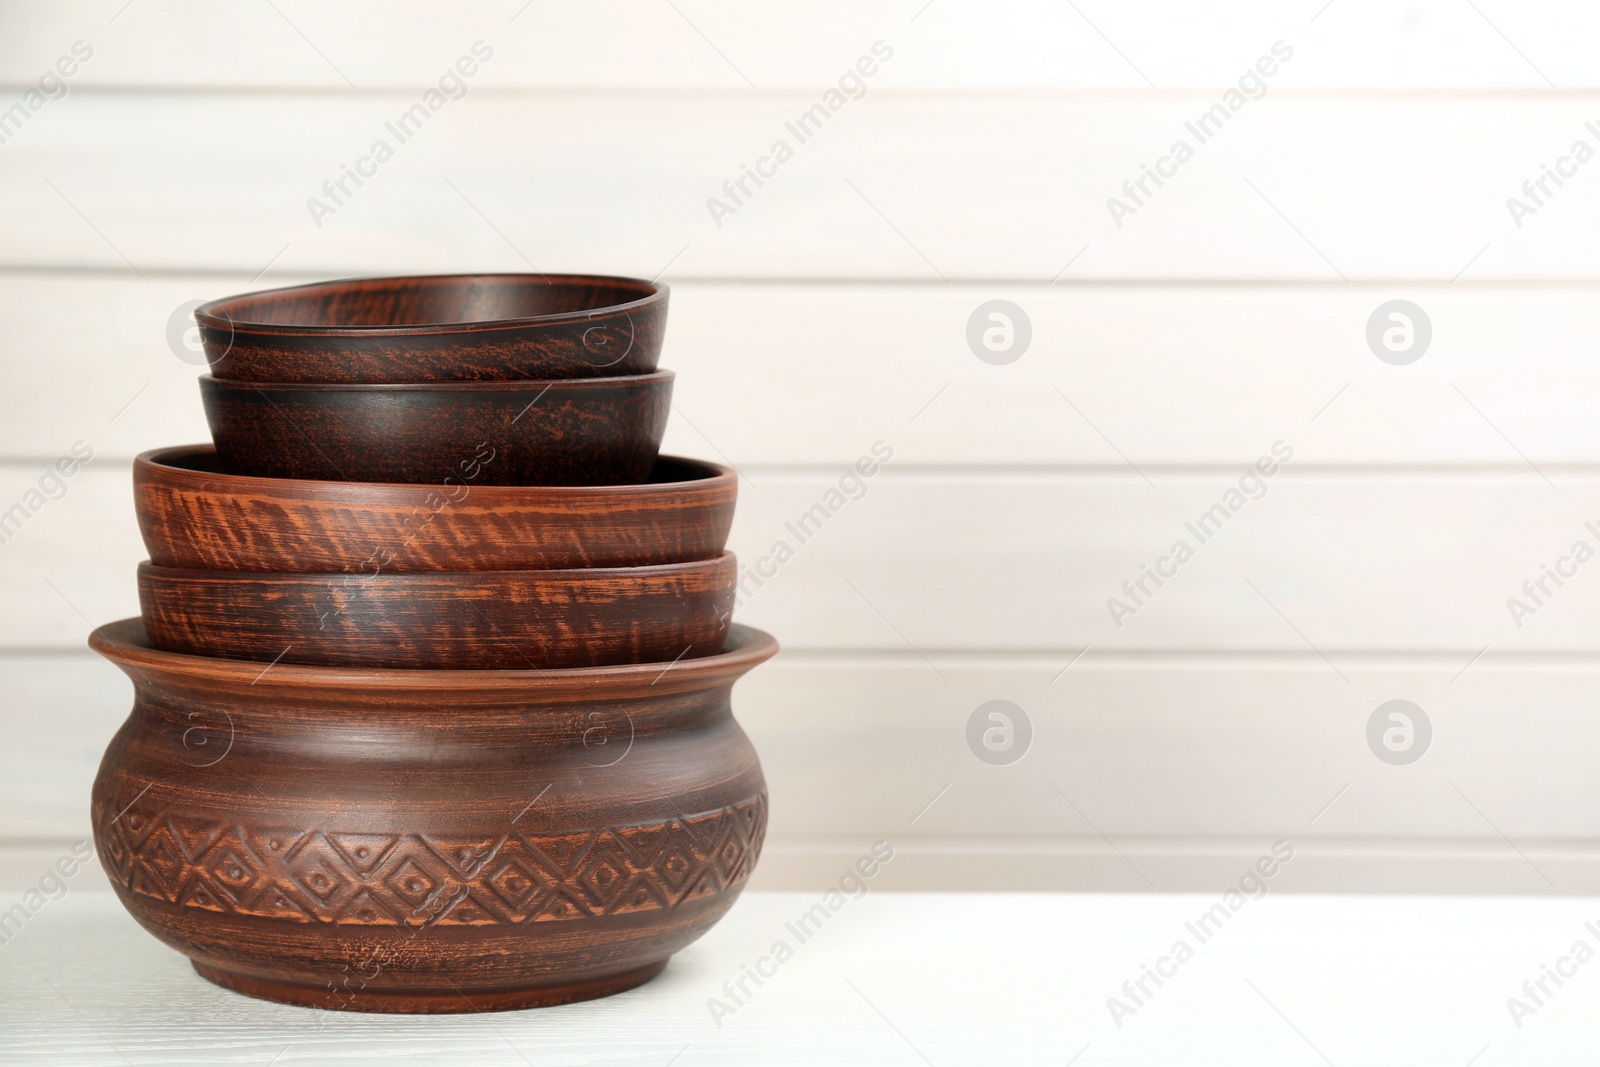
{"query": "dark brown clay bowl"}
[(570, 431), (441, 328), (460, 620), (415, 841), (193, 515)]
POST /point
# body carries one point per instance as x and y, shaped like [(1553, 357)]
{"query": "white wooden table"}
[(897, 979)]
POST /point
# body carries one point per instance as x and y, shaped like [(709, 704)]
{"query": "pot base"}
[(425, 1002)]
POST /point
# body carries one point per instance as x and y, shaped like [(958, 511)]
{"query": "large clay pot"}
[(428, 841)]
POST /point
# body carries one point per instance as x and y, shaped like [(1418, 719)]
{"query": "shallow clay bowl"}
[(564, 431), (454, 327), (193, 515), (427, 841), (448, 620)]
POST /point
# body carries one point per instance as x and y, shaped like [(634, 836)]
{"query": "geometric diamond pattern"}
[(363, 879)]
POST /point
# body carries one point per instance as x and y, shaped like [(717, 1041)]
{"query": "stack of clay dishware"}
[(433, 671)]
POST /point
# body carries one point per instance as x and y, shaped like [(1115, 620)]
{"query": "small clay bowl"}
[(193, 515), (563, 431), (462, 620), (427, 841), (440, 328)]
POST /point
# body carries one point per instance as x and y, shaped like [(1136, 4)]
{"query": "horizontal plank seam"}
[(1487, 845), (775, 281), (1385, 660), (721, 96), (911, 470)]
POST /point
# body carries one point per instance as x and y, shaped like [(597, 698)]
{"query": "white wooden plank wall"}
[(828, 313)]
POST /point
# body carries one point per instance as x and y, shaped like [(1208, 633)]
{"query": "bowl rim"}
[(153, 464), (654, 380), (125, 643), (214, 314)]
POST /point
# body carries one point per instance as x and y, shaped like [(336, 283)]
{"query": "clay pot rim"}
[(655, 379), (124, 643), (215, 314), (156, 463)]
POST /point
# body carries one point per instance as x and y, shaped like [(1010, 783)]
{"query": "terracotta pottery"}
[(444, 620), (414, 841), (573, 431), (193, 515), (457, 327)]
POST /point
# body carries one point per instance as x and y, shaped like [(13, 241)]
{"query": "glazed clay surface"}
[(536, 619), (458, 327), (194, 514), (428, 841), (575, 431)]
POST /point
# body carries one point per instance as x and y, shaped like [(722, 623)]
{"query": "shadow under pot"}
[(575, 431), (193, 514), (457, 620), (449, 327), (414, 841)]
